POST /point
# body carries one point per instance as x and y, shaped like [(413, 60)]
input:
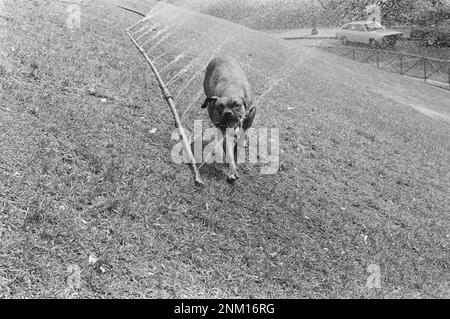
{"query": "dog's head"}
[(225, 111)]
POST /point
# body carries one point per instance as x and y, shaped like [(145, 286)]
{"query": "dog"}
[(229, 102)]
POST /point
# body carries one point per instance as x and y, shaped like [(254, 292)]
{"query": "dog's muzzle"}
[(231, 119)]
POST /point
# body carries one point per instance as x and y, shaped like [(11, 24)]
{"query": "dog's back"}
[(224, 77)]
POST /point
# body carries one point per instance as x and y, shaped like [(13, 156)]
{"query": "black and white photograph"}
[(235, 151)]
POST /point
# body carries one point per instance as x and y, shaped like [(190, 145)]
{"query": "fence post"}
[(378, 60), (354, 56), (401, 63), (425, 69)]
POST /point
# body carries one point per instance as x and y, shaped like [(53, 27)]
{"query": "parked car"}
[(435, 34), (368, 32)]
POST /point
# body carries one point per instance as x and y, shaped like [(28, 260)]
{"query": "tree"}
[(393, 11)]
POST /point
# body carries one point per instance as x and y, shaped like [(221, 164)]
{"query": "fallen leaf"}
[(92, 259)]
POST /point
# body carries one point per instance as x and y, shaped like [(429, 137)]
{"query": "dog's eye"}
[(219, 107)]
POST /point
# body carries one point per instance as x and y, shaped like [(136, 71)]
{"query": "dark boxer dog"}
[(229, 101)]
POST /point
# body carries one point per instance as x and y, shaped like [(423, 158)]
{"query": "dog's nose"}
[(227, 113)]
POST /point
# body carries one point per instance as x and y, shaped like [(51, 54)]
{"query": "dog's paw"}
[(232, 179)]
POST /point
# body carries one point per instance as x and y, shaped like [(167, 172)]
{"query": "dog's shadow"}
[(212, 170), (215, 170)]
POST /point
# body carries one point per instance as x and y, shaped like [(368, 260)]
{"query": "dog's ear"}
[(244, 102), (209, 99)]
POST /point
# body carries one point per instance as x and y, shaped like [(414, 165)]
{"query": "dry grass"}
[(364, 179)]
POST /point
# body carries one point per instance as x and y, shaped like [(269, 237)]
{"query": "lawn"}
[(87, 181)]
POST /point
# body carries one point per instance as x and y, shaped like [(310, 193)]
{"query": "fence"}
[(434, 71)]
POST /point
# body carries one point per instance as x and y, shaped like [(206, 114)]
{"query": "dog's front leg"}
[(229, 141)]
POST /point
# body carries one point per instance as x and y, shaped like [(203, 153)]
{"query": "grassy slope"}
[(364, 177), (260, 15)]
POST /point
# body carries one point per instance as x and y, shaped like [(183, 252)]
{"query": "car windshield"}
[(373, 26)]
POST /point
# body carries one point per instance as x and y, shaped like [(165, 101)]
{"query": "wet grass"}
[(362, 180)]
